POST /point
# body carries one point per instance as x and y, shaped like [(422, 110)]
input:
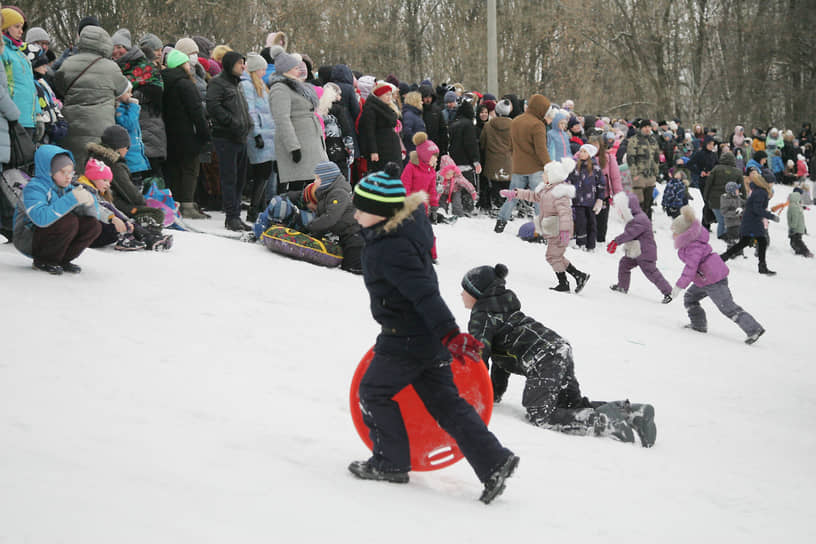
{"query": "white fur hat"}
[(558, 171), (589, 148)]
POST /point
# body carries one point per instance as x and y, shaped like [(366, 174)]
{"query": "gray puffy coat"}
[(8, 112), (90, 103), (296, 127)]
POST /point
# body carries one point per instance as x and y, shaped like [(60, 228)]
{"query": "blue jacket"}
[(412, 123), (755, 210), (557, 140), (399, 274), (21, 83), (44, 202), (262, 123), (777, 165), (127, 116)]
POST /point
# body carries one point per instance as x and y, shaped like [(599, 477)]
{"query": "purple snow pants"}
[(649, 269)]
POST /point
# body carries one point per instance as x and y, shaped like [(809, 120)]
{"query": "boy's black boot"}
[(494, 485), (763, 269), (563, 284), (366, 471), (580, 277)]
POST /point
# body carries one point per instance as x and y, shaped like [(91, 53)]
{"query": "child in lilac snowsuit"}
[(639, 245), (590, 192), (709, 274)]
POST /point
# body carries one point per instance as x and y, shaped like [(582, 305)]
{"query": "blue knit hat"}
[(328, 172), (380, 193), (731, 188)]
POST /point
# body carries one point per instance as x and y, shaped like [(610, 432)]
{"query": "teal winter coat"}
[(21, 83)]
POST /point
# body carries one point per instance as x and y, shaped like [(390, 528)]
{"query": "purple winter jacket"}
[(703, 265), (638, 227)]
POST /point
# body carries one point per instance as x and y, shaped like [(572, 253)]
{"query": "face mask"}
[(193, 59)]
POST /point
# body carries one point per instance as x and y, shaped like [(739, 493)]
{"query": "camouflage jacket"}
[(643, 156)]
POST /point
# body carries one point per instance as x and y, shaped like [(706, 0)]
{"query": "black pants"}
[(258, 178), (65, 239), (745, 241), (182, 176), (648, 200), (601, 222), (586, 232), (424, 363), (232, 169), (798, 245)]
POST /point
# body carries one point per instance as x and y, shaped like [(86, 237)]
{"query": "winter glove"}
[(296, 156), (738, 211), (612, 246), (462, 344), (676, 290), (564, 237), (259, 143), (508, 193), (775, 219), (596, 209), (83, 197)]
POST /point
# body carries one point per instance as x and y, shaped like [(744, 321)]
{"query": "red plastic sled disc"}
[(431, 447)]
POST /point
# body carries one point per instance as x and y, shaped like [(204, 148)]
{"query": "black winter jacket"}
[(435, 126), (464, 146), (399, 274), (227, 107), (184, 118), (377, 134)]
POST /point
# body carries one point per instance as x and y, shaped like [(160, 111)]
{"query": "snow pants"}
[(649, 269), (423, 362), (555, 254), (65, 239), (586, 226), (721, 297), (798, 245)]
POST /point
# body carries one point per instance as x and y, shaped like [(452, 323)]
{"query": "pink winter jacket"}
[(457, 182), (703, 265), (419, 176), (612, 174), (554, 200)]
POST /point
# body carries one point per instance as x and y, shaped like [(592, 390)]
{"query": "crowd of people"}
[(272, 136)]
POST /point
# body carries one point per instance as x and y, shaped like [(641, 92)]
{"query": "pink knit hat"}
[(425, 148), (96, 170)]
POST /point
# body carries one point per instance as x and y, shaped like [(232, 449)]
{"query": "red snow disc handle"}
[(431, 447)]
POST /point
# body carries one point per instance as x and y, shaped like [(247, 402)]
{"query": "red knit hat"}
[(381, 88)]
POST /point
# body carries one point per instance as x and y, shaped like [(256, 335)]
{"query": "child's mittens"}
[(596, 209), (462, 344), (564, 237), (676, 290), (508, 193), (83, 197), (612, 246), (540, 188)]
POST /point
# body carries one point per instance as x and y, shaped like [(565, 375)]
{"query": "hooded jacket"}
[(796, 219), (721, 174), (435, 125), (756, 209), (419, 176), (497, 148), (400, 278), (21, 87), (412, 123), (183, 114), (90, 103), (638, 227), (341, 75), (703, 265), (226, 105), (44, 202), (463, 146), (528, 132)]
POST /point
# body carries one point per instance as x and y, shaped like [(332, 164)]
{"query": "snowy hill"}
[(201, 395)]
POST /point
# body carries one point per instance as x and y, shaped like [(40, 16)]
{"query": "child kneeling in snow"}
[(638, 244), (518, 344), (453, 183), (117, 227), (709, 273)]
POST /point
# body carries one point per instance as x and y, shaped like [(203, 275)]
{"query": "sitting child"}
[(116, 226), (453, 182), (322, 209), (518, 344), (675, 196), (127, 195), (55, 221), (796, 224), (709, 274), (731, 204), (639, 246)]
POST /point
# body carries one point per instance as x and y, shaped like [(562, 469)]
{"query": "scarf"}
[(17, 43), (304, 90)]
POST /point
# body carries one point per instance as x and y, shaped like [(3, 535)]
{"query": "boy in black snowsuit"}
[(519, 344), (419, 336)]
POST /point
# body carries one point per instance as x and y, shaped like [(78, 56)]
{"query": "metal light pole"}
[(492, 50)]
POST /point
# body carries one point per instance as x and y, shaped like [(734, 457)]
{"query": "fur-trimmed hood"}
[(627, 205), (108, 155), (557, 190), (693, 233), (412, 203)]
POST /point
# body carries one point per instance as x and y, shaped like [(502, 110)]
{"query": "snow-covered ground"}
[(201, 395)]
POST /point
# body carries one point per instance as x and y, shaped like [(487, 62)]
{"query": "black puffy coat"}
[(463, 144), (184, 118), (342, 76), (400, 277), (376, 131), (226, 104), (435, 126)]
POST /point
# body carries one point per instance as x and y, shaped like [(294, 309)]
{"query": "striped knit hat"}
[(380, 193), (478, 280)]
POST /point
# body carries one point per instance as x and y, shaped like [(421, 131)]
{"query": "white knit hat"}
[(589, 148)]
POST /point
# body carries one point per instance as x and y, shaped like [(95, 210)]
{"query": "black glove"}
[(296, 155), (775, 219), (259, 143)]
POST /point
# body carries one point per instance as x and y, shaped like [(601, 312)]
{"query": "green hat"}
[(176, 58)]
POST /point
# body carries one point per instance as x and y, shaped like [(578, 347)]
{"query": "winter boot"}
[(618, 288), (499, 228), (53, 269), (366, 471), (692, 327), (235, 224), (188, 211), (580, 278), (763, 269), (161, 243), (641, 418), (494, 485), (71, 268), (618, 426), (754, 337), (667, 299), (563, 284), (128, 242)]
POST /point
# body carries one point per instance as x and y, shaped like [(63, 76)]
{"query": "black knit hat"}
[(759, 155), (90, 20), (380, 193), (478, 280), (115, 137)]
